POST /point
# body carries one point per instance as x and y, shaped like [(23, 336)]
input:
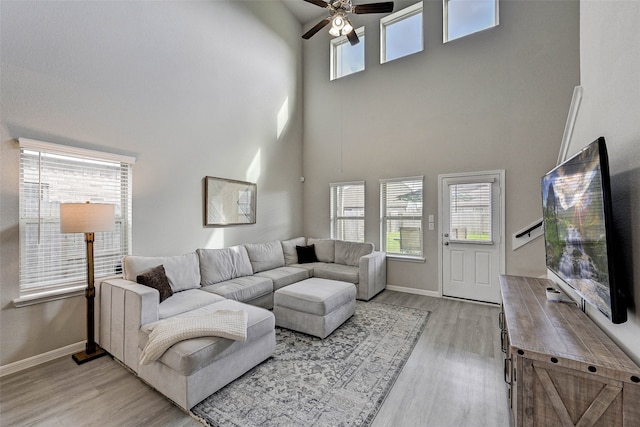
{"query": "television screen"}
[(576, 205)]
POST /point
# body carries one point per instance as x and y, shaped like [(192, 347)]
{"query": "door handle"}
[(446, 243)]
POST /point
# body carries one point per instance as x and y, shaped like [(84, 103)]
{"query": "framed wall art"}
[(229, 202)]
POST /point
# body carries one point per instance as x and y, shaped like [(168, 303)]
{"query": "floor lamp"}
[(88, 218)]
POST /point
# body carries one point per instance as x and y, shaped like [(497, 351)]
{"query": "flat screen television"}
[(578, 229)]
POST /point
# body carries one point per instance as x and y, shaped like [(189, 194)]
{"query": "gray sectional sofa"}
[(242, 277)]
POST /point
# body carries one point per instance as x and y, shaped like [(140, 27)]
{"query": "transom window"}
[(401, 33), (51, 174), (401, 216), (464, 17), (345, 58), (347, 211)]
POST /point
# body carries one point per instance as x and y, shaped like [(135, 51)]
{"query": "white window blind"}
[(470, 212), (401, 203), (347, 211), (50, 175)]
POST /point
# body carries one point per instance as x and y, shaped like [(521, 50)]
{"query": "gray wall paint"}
[(610, 76), (189, 88), (495, 100)]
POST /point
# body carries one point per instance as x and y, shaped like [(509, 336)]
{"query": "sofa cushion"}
[(156, 278), (184, 301), (242, 288), (218, 265), (289, 249), (306, 254), (183, 271), (349, 253), (345, 273), (189, 356), (265, 256), (284, 276), (325, 249)]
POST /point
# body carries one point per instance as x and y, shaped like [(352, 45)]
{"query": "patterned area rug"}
[(339, 381)]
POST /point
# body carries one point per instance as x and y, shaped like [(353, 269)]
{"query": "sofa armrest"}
[(124, 307), (372, 275)]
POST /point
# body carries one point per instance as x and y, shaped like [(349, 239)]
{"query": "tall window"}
[(345, 58), (464, 17), (347, 211), (52, 174), (401, 33), (401, 216)]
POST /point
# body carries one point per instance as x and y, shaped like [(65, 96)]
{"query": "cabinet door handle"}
[(501, 320), (507, 370), (503, 341)]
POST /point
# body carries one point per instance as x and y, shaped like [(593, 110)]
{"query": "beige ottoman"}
[(314, 306)]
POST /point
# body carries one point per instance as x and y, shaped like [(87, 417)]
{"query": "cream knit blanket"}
[(229, 324)]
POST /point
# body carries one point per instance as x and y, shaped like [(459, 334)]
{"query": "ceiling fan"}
[(338, 11)]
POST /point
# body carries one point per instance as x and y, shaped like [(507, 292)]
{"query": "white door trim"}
[(501, 245)]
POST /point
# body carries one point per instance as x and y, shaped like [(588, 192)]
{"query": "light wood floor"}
[(453, 378)]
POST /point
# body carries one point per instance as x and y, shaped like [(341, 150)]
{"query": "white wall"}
[(610, 76), (190, 88), (494, 100)]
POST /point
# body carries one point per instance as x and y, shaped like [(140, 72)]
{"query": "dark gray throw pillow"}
[(156, 278), (306, 254)]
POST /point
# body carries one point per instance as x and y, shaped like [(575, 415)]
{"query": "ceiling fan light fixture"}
[(334, 32), (347, 28), (338, 22)]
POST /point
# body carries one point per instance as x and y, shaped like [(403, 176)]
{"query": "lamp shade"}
[(86, 217)]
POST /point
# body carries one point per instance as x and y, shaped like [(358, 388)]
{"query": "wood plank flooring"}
[(453, 378)]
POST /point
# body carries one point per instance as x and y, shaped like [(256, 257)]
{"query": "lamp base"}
[(84, 357)]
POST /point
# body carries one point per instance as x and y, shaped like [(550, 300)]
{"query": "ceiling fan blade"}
[(320, 25), (385, 7), (318, 3), (353, 38)]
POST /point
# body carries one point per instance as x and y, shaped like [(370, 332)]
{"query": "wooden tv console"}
[(560, 367)]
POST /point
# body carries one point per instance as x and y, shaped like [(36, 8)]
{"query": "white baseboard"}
[(415, 291), (41, 358)]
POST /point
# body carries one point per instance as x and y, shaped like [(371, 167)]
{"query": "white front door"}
[(471, 209)]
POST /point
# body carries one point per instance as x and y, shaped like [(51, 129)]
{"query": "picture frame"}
[(229, 202)]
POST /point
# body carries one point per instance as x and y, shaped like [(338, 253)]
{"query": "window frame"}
[(469, 211), (384, 217), (333, 46), (407, 12), (59, 287), (335, 219), (445, 21)]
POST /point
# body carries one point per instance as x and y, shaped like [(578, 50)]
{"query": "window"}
[(470, 212), (401, 216), (347, 211), (347, 59), (401, 33), (51, 174), (464, 17)]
